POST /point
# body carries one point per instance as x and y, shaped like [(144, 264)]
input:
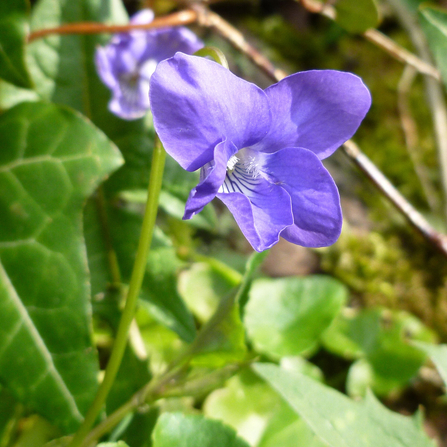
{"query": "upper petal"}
[(165, 42), (197, 103), (263, 215), (214, 176), (142, 17), (316, 110), (315, 199)]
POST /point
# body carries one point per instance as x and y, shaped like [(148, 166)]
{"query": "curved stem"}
[(146, 395), (158, 161)]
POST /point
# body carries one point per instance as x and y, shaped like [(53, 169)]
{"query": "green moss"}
[(384, 273)]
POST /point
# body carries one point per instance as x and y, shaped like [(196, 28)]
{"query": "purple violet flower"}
[(126, 64), (259, 151)]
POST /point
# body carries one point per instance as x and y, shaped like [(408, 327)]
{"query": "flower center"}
[(243, 172), (245, 160)]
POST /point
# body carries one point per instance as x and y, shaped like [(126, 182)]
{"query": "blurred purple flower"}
[(260, 151), (126, 64)]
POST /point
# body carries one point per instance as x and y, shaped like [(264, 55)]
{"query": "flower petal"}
[(315, 199), (104, 67), (207, 189), (197, 103), (131, 100), (165, 42), (142, 17), (263, 215), (316, 110)]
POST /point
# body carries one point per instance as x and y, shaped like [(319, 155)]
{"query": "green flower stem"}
[(167, 385), (156, 177), (231, 275), (151, 392)]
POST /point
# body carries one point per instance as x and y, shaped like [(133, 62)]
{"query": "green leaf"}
[(255, 411), (139, 431), (113, 444), (176, 429), (62, 66), (202, 287), (159, 292), (381, 337), (10, 412), (11, 95), (132, 375), (438, 355), (51, 160), (222, 339), (338, 420), (360, 378), (287, 316), (36, 432), (287, 429), (13, 32), (175, 207), (356, 16), (253, 263), (246, 403), (434, 24), (159, 289)]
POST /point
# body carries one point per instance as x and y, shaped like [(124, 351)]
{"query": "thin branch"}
[(395, 197), (185, 17), (377, 38), (209, 19), (232, 35)]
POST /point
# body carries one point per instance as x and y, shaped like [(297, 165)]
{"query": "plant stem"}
[(146, 395), (158, 161)]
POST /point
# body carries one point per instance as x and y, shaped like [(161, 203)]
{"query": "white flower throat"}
[(243, 173)]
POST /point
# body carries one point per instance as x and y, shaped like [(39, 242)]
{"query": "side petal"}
[(104, 67), (165, 42), (197, 103), (316, 110), (142, 17), (262, 216), (315, 199), (207, 189)]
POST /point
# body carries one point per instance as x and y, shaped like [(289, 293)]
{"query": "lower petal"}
[(315, 200), (262, 216), (207, 189), (129, 101)]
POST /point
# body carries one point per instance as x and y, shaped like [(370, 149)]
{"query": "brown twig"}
[(377, 38), (209, 19), (184, 17), (232, 35), (395, 197)]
